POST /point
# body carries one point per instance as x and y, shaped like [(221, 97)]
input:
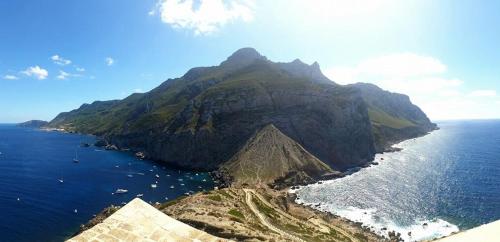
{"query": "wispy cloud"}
[(109, 61), (209, 15), (80, 69), (62, 75), (10, 77), (36, 72), (60, 60), (483, 93)]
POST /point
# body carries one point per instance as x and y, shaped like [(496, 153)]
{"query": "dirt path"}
[(262, 218), (250, 192)]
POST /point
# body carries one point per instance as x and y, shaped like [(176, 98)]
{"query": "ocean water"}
[(446, 181), (35, 206)]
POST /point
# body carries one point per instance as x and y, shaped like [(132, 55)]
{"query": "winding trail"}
[(262, 218)]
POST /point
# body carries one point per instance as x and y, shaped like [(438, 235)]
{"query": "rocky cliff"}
[(203, 118), (394, 117), (269, 157)]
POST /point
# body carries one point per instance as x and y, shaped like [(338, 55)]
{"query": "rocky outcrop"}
[(33, 124), (270, 155)]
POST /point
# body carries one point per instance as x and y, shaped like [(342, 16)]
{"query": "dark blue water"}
[(32, 161), (449, 179)]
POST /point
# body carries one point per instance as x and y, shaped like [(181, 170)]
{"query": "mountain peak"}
[(270, 155), (243, 57)]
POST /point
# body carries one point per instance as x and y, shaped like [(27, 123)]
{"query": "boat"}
[(157, 176), (61, 180), (130, 175), (76, 160), (139, 195), (172, 187), (76, 211), (182, 184), (119, 191), (154, 185)]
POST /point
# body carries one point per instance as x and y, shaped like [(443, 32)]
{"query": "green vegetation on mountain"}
[(203, 118), (33, 124)]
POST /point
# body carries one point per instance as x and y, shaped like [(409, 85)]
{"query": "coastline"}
[(364, 217), (221, 181)]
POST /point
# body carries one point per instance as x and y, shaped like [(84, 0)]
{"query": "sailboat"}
[(76, 160)]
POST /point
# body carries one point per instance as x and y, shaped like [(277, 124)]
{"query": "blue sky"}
[(56, 55)]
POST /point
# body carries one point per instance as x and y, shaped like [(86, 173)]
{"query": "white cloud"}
[(138, 90), (80, 69), (207, 17), (109, 61), (483, 93), (37, 72), (62, 75), (421, 78), (399, 65), (60, 60), (10, 77)]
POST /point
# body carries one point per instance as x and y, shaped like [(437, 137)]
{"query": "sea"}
[(446, 181), (36, 206)]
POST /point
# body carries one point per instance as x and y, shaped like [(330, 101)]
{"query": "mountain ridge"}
[(203, 118)]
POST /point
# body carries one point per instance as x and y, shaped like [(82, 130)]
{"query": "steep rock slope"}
[(203, 118), (270, 155), (394, 117)]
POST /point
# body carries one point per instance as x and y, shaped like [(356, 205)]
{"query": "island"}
[(260, 127)]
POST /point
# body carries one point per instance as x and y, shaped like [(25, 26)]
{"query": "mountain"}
[(203, 118), (394, 117), (270, 156), (33, 124)]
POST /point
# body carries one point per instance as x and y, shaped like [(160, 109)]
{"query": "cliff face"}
[(394, 117), (203, 118)]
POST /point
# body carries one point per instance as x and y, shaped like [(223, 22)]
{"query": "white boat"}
[(130, 175), (182, 184), (154, 185), (139, 195), (157, 176), (172, 187), (119, 190), (76, 160), (61, 180)]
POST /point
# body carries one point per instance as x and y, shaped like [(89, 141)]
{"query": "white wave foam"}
[(420, 230)]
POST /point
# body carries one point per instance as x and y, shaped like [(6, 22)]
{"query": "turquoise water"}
[(448, 180), (32, 162)]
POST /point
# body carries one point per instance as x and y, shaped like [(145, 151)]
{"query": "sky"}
[(56, 55)]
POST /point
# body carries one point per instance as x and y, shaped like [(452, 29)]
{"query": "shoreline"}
[(362, 215)]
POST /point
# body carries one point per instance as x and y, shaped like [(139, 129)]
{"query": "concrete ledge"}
[(139, 221), (484, 233)]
